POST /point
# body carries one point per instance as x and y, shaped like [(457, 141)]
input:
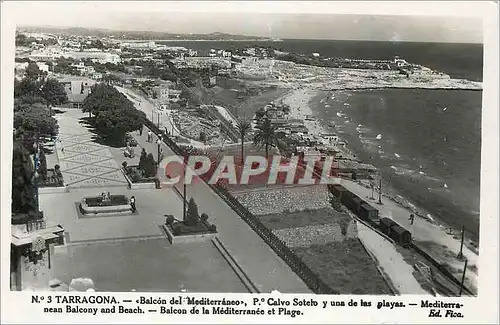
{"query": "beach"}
[(439, 240)]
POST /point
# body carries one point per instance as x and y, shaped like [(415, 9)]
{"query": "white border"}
[(16, 307)]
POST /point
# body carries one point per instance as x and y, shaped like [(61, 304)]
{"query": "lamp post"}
[(158, 142), (380, 191), (184, 191), (460, 254), (36, 175)]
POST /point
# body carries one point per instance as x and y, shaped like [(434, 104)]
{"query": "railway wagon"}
[(354, 203), (336, 190), (395, 231), (369, 213)]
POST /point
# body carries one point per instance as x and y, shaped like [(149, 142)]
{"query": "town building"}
[(101, 57), (77, 89)]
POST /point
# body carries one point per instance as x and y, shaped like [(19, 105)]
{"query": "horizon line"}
[(258, 38)]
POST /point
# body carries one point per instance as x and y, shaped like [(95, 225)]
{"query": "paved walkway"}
[(391, 261), (83, 162), (123, 252), (266, 269)]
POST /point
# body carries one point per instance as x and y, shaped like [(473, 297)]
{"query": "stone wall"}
[(284, 199), (316, 234)]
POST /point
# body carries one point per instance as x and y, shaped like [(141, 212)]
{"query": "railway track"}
[(442, 280)]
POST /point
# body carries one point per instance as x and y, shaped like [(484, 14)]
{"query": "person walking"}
[(132, 204), (140, 131), (412, 218)]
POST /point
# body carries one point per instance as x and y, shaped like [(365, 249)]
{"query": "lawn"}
[(345, 267)]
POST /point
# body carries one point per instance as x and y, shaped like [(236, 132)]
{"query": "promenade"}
[(262, 265), (122, 252)]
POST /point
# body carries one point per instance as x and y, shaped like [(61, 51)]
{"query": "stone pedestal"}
[(31, 250)]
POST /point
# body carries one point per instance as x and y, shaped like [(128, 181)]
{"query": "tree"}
[(33, 71), (115, 115), (266, 136), (260, 113), (192, 216), (150, 166), (42, 169), (142, 159), (114, 124), (23, 191), (243, 127), (54, 93), (32, 122), (203, 137), (26, 88)]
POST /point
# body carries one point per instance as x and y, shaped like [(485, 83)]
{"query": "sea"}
[(426, 143)]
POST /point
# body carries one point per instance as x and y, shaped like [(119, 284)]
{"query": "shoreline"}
[(300, 101)]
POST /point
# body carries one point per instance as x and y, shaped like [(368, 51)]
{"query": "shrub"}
[(142, 159), (150, 166), (42, 169), (176, 231), (170, 220), (204, 217), (124, 164), (212, 228), (192, 215)]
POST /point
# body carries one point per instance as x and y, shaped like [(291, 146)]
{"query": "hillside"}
[(146, 35)]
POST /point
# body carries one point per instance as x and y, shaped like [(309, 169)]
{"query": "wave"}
[(397, 155), (379, 136), (362, 130), (326, 106)]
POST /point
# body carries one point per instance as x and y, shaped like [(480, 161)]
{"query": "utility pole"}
[(460, 254), (35, 175), (380, 191), (158, 119), (463, 278), (184, 198)]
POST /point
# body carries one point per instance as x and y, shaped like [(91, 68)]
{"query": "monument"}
[(31, 249)]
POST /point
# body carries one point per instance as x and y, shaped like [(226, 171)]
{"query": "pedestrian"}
[(132, 204), (412, 218), (140, 131), (150, 136)]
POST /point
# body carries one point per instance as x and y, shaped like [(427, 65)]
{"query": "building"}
[(77, 89), (101, 57), (400, 62), (139, 45)]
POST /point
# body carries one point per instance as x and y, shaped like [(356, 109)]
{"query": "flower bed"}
[(192, 227), (180, 233), (135, 177), (53, 179)]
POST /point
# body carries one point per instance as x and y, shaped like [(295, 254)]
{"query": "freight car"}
[(357, 206), (395, 231)]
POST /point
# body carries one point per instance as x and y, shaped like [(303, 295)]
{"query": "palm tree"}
[(266, 136), (243, 126)]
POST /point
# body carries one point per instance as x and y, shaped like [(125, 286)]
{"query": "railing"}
[(311, 279)]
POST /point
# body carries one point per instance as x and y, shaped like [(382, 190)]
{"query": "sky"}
[(348, 26)]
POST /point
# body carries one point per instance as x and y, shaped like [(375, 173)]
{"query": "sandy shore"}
[(299, 101)]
